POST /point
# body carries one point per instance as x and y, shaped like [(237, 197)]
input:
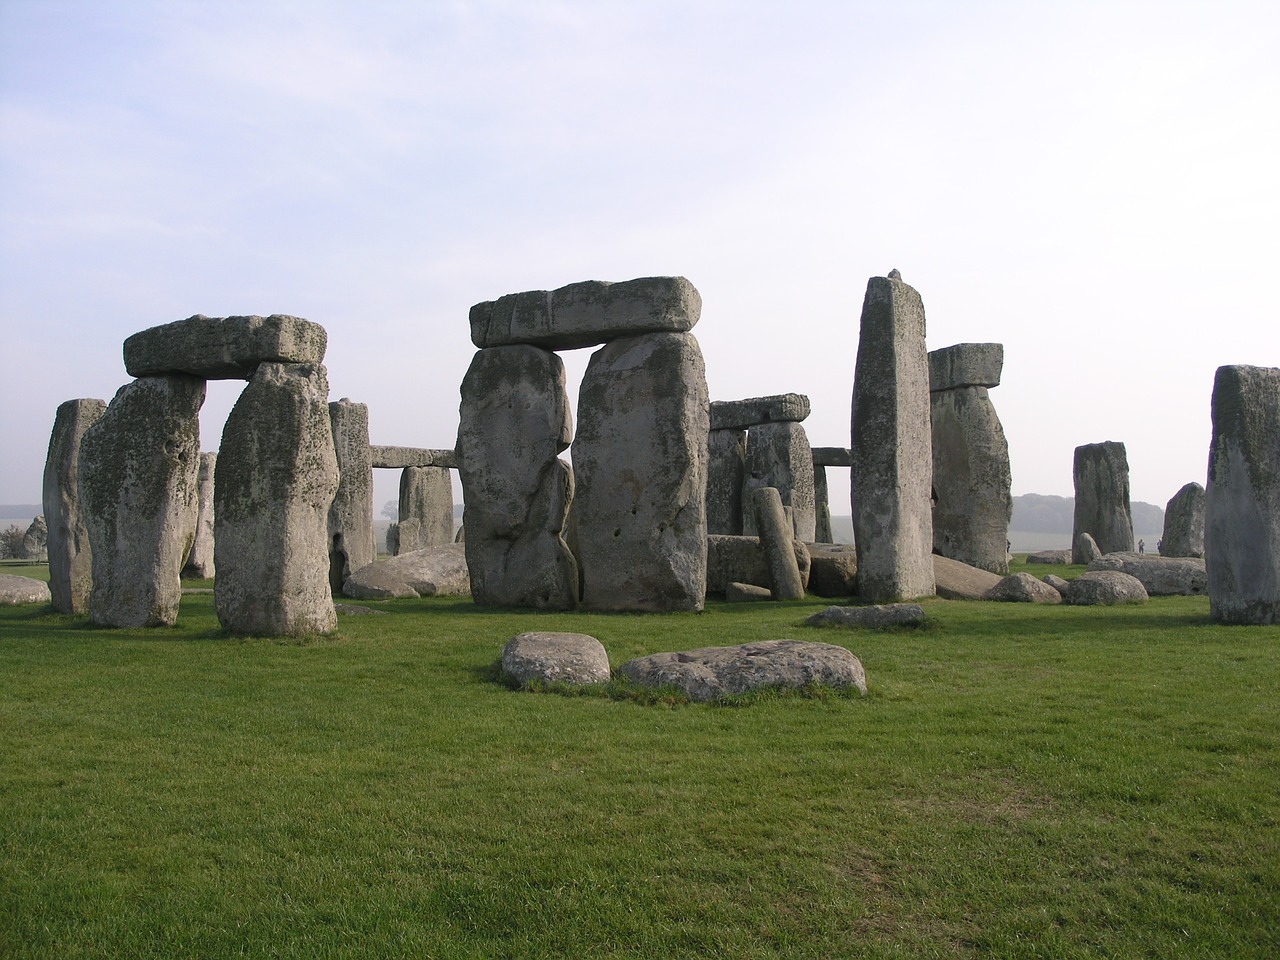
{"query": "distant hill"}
[(1037, 513)]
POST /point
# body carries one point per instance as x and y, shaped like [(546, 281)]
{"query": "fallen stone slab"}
[(1105, 587), (959, 581), (741, 560), (355, 610), (17, 590), (1160, 576), (746, 592), (587, 314), (833, 569), (1050, 556), (1023, 588), (397, 458), (712, 672), (439, 571), (744, 414), (881, 615), (223, 348), (555, 658)]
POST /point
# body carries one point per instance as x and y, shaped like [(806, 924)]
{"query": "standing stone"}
[(779, 456), (1242, 498), (972, 482), (1102, 510), (70, 559), (776, 537), (726, 473), (892, 470), (275, 478), (35, 541), (351, 541), (822, 532), (138, 472), (514, 420), (426, 508), (199, 563), (1184, 523), (641, 464)]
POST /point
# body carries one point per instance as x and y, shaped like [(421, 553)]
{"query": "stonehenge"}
[(199, 564), (350, 520), (70, 556), (1184, 523), (1101, 475)]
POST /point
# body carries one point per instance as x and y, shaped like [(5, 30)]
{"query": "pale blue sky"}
[(1092, 184)]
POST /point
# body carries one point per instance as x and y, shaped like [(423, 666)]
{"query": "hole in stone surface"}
[(618, 532)]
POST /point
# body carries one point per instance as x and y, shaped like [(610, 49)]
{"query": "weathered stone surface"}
[(746, 592), (1105, 587), (137, 475), (875, 617), (350, 522), (35, 541), (1101, 473), (959, 581), (777, 539), (397, 458), (1057, 583), (966, 365), (744, 414), (1160, 576), (587, 314), (779, 456), (223, 348), (741, 560), (971, 478), (892, 473), (1050, 556), (1184, 523), (641, 464), (439, 571), (1242, 499), (513, 422), (276, 475), (1086, 549), (726, 474), (822, 532), (555, 658), (70, 557), (833, 570), (426, 508), (713, 672), (832, 457), (1023, 588), (200, 562), (20, 590)]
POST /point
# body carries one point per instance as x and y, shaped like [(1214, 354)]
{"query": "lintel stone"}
[(743, 414), (397, 458), (223, 348), (966, 365), (832, 457)]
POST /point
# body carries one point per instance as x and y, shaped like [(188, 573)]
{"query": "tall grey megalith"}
[(200, 563), (350, 524), (1184, 523), (276, 476), (70, 556), (513, 422), (892, 456), (425, 508), (779, 456), (726, 476), (640, 460), (138, 471), (1101, 475), (1242, 497)]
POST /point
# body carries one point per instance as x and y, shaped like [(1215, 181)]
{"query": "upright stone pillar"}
[(892, 453), (70, 559), (1184, 523), (351, 540), (726, 476), (641, 464), (275, 479), (199, 563), (1101, 473), (137, 474), (824, 457), (972, 483), (1242, 498), (426, 508), (779, 456), (514, 421)]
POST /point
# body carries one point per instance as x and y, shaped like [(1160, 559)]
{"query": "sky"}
[(1092, 184)]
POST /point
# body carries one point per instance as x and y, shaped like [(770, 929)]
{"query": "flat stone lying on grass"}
[(1023, 588), (960, 581), (555, 657), (1161, 576), (1105, 587), (741, 560), (439, 571), (713, 672), (355, 610), (15, 590), (1050, 556), (744, 592), (882, 615)]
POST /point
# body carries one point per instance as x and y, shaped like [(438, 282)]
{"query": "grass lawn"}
[(1020, 782)]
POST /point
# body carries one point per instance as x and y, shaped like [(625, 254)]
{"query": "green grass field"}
[(1019, 782)]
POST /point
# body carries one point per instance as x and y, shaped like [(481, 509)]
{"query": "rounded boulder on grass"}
[(555, 658)]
